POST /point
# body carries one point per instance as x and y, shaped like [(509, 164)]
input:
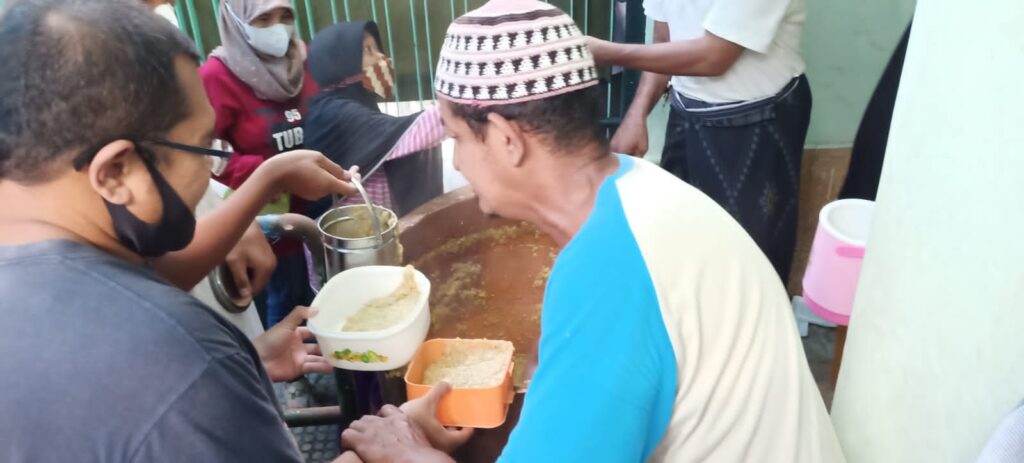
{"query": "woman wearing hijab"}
[(346, 124), (258, 87)]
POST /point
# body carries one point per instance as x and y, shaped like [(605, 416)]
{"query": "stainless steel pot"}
[(222, 283), (342, 238), (350, 240)]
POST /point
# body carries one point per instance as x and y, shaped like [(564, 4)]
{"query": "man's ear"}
[(506, 139), (113, 169)]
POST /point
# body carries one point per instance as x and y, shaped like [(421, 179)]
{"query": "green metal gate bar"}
[(309, 18), (391, 47), (430, 48), (416, 51)]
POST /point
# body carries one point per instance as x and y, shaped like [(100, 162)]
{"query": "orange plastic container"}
[(484, 407)]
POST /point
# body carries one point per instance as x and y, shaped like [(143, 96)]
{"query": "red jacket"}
[(257, 129)]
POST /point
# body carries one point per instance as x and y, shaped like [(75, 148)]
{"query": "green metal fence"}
[(413, 30)]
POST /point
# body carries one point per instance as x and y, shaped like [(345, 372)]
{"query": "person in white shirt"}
[(740, 107)]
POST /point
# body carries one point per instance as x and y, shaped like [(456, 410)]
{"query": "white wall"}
[(846, 46), (935, 354)]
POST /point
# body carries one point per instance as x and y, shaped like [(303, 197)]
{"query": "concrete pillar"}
[(935, 354)]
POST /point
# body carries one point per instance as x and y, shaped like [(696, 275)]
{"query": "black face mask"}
[(171, 233)]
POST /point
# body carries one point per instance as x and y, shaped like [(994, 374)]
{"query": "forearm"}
[(421, 455), (240, 167), (425, 133), (348, 457), (217, 233), (652, 85), (428, 456), (436, 457), (651, 88), (682, 58), (708, 55)]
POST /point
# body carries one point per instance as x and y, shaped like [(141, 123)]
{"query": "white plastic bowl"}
[(346, 293)]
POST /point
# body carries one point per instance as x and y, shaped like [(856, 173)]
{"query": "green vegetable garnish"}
[(365, 357)]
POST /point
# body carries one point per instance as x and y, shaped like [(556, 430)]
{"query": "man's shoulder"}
[(654, 200), (646, 175), (131, 344), (178, 317), (78, 287)]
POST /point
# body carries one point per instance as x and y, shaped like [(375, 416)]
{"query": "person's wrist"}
[(634, 116), (258, 345), (426, 455), (602, 51), (268, 179), (348, 457)]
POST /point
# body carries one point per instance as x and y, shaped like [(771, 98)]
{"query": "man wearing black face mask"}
[(103, 129)]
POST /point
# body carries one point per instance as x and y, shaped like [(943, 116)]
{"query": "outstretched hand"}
[(251, 262), (423, 412), (308, 175), (283, 351), (631, 137), (391, 437)]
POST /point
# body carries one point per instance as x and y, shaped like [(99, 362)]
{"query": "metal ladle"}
[(374, 219)]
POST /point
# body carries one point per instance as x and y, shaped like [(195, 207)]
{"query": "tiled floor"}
[(317, 443), (822, 176), (819, 345)]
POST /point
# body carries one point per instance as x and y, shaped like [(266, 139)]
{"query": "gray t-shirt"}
[(103, 360)]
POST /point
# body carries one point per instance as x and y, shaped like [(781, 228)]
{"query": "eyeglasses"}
[(86, 156), (210, 151)]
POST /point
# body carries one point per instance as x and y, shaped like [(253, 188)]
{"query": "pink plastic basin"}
[(837, 253)]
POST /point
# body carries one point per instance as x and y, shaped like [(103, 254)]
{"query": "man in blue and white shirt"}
[(665, 333)]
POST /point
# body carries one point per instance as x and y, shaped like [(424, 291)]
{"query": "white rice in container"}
[(472, 365)]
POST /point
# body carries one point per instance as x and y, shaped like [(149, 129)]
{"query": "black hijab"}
[(346, 125)]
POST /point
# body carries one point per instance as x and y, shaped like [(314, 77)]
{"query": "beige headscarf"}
[(275, 79)]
